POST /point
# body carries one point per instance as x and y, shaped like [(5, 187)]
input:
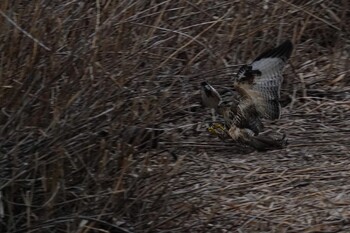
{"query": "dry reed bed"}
[(76, 75)]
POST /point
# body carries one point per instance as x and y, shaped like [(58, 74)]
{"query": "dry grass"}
[(76, 75)]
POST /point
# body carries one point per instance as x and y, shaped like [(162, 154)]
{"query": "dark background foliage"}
[(80, 79)]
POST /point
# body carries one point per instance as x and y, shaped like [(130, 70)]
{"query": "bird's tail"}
[(264, 143)]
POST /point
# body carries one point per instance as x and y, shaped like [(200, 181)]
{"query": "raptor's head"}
[(210, 97)]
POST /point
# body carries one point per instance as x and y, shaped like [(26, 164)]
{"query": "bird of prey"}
[(257, 86)]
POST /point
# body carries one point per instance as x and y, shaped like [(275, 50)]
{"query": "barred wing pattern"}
[(260, 82)]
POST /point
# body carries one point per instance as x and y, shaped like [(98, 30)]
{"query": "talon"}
[(218, 130), (218, 126), (211, 130)]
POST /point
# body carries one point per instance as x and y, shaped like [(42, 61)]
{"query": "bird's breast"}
[(235, 132), (240, 134)]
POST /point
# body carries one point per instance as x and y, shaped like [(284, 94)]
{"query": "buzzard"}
[(257, 86)]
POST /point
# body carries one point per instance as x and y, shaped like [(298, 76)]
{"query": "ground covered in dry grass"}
[(78, 77)]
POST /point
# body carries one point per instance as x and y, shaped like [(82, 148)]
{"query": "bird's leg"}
[(213, 114), (218, 130), (217, 125), (213, 128)]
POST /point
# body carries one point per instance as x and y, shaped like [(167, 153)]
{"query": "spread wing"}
[(260, 82), (258, 85)]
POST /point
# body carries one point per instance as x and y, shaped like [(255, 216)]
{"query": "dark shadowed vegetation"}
[(99, 98)]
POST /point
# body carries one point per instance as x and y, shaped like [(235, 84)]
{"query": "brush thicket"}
[(76, 75)]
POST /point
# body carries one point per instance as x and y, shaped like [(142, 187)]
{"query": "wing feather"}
[(261, 80)]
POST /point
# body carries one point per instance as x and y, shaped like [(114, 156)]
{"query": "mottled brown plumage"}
[(260, 82), (258, 85)]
